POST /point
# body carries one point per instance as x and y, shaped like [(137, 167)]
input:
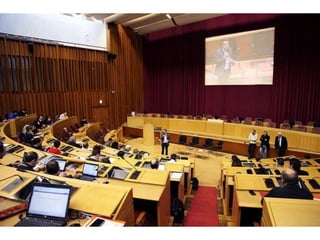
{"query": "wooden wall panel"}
[(50, 79)]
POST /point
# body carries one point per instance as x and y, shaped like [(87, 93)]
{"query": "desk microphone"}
[(129, 163), (42, 178), (15, 175)]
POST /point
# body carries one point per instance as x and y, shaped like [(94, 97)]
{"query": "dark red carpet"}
[(204, 209)]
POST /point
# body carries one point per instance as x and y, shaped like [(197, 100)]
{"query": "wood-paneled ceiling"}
[(145, 23)]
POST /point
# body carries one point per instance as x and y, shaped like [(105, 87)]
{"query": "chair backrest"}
[(195, 140), (182, 139), (208, 142)]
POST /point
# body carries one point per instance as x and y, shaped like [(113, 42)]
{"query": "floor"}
[(207, 166)]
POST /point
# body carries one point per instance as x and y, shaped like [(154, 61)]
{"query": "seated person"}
[(96, 154), (55, 149), (108, 142), (28, 136), (37, 143), (52, 168), (29, 162), (83, 121), (295, 164), (173, 157), (154, 163), (72, 141), (65, 135), (291, 188), (236, 162), (39, 123)]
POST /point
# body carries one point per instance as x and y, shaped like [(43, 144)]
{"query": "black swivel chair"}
[(194, 141), (208, 143), (218, 147), (183, 139)]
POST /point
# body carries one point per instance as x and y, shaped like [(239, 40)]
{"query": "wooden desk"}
[(114, 202), (232, 133), (281, 212)]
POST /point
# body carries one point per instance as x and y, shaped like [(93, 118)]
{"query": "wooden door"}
[(101, 114)]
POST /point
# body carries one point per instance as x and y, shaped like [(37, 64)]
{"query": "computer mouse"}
[(75, 225)]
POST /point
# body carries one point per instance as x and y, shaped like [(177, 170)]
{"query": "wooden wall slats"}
[(53, 79)]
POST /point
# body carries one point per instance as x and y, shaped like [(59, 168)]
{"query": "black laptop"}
[(89, 172), (48, 206)]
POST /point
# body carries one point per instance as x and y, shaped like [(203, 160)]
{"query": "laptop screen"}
[(62, 164), (90, 169), (49, 201)]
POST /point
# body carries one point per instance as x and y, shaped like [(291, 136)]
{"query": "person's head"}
[(279, 134), (56, 143), (30, 158), (289, 176), (120, 154), (280, 162), (236, 162), (265, 132), (173, 156), (253, 131), (225, 44), (96, 150), (295, 164), (52, 167), (154, 163)]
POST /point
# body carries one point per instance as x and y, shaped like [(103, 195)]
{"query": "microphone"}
[(15, 175), (42, 179), (129, 163)]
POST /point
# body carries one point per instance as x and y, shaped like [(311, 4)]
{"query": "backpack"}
[(195, 183), (177, 211)]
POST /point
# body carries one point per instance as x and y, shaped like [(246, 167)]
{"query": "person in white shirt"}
[(253, 136), (165, 139)]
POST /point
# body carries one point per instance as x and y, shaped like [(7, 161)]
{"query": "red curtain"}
[(174, 70)]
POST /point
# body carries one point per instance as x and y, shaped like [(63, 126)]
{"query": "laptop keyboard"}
[(87, 178), (38, 222)]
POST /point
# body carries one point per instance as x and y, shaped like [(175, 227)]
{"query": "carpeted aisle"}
[(204, 209)]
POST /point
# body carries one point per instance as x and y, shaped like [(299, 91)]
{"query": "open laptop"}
[(89, 172), (62, 164), (48, 206)]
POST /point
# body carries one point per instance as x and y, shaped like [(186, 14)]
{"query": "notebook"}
[(89, 172), (48, 206)]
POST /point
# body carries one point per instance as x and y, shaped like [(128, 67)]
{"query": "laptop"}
[(62, 164), (89, 172), (48, 206)]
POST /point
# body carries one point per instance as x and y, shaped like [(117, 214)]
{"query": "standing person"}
[(224, 60), (165, 139), (281, 144), (265, 144), (253, 137)]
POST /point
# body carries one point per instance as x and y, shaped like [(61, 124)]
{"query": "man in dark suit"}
[(291, 188), (165, 139), (281, 144), (224, 60)]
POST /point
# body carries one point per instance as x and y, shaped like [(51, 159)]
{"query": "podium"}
[(148, 134)]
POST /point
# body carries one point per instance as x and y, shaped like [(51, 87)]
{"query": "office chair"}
[(194, 141), (218, 147), (183, 139), (208, 143)]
